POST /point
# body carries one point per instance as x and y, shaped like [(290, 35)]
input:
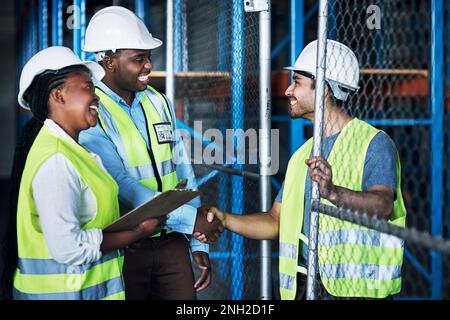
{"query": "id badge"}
[(163, 132)]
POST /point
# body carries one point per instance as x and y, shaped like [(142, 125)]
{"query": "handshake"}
[(209, 224)]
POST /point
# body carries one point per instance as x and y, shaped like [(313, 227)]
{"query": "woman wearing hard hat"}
[(62, 196)]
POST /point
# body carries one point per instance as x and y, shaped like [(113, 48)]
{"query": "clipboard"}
[(160, 205)]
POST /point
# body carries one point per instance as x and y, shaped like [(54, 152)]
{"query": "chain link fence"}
[(217, 92), (393, 42), (394, 55), (216, 65), (413, 239)]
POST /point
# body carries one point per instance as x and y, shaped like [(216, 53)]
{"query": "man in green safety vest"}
[(137, 140), (359, 170)]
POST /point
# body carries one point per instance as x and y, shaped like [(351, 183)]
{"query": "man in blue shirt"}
[(157, 267)]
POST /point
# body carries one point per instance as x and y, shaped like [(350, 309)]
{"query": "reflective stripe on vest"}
[(358, 236), (132, 147), (353, 261), (288, 250), (287, 282), (47, 266), (108, 290), (359, 270), (146, 172), (38, 275)]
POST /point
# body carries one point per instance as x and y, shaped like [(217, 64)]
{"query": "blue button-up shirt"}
[(131, 192)]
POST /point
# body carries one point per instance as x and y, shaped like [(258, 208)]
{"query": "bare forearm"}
[(259, 226), (116, 240), (373, 203)]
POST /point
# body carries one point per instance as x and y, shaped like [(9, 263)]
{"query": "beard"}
[(297, 112)]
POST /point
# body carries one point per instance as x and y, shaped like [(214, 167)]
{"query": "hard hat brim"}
[(97, 73), (301, 71), (149, 45), (293, 68)]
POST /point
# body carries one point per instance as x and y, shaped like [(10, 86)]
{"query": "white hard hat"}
[(52, 58), (342, 72), (115, 28)]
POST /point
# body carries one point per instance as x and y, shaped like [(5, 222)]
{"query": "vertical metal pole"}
[(79, 15), (378, 48), (447, 26), (437, 141), (57, 22), (297, 42), (170, 75), (178, 36), (318, 128), (33, 31), (380, 40), (82, 28), (237, 106), (184, 39), (223, 199), (265, 119), (139, 9), (76, 27), (448, 119), (43, 24), (184, 56), (332, 23), (224, 179), (447, 190)]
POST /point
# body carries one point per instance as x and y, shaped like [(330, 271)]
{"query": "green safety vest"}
[(151, 166), (147, 165), (353, 261), (38, 275)]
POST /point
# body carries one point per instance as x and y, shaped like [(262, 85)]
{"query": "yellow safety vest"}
[(353, 261), (38, 275), (151, 166), (147, 165)]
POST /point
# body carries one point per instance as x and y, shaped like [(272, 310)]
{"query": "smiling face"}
[(131, 69), (301, 97), (73, 104)]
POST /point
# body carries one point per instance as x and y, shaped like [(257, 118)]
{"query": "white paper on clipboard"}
[(160, 205)]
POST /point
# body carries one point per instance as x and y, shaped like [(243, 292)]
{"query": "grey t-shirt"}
[(380, 168)]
